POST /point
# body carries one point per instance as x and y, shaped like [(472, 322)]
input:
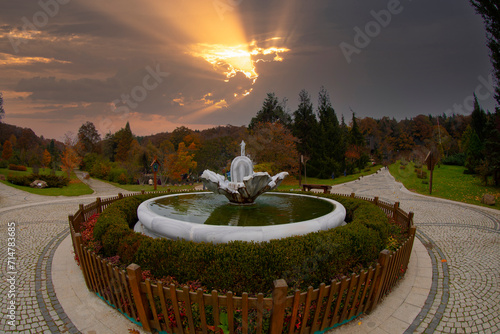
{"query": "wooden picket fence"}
[(166, 309)]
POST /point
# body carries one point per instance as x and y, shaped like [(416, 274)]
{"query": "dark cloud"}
[(429, 56)]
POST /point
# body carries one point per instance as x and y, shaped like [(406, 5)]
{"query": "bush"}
[(101, 170), (118, 175), (53, 181), (4, 164), (20, 180), (456, 159), (17, 167), (246, 266)]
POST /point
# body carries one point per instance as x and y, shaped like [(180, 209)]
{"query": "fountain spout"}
[(245, 185)]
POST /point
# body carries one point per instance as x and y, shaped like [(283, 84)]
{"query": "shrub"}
[(17, 167), (20, 180), (53, 181), (101, 169), (247, 266), (455, 159), (115, 175), (4, 164)]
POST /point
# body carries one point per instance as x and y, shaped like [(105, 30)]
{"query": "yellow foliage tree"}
[(180, 163), (46, 159), (7, 150), (69, 160)]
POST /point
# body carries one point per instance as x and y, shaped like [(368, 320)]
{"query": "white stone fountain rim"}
[(152, 224)]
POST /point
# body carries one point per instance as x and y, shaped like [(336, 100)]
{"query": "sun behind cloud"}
[(242, 58)]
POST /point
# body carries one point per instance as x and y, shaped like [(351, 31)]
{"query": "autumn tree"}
[(88, 137), (180, 163), (422, 128), (274, 145), (216, 153), (178, 135), (272, 111), (7, 150), (46, 159)]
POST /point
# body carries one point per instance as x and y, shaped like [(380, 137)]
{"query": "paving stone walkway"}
[(462, 241), (40, 224)]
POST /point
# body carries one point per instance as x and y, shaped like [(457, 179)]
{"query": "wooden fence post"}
[(280, 289), (142, 192), (81, 258), (395, 211), (410, 219), (135, 277), (353, 195), (120, 195), (375, 201), (98, 205), (383, 260)]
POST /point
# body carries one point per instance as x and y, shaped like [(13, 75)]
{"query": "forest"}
[(310, 138)]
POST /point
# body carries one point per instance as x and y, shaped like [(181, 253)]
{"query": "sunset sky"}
[(202, 63)]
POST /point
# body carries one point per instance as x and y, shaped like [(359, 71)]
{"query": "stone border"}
[(47, 256)]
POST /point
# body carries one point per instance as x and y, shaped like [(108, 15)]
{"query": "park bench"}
[(308, 187)]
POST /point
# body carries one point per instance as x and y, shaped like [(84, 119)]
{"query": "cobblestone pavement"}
[(39, 223), (463, 242)]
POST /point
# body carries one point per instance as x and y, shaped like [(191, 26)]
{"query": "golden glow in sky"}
[(231, 59)]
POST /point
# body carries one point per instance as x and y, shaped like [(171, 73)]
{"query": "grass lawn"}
[(290, 183), (74, 188), (448, 182), (147, 187)]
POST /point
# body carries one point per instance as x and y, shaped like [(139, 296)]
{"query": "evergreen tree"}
[(272, 111), (328, 158), (490, 12), (478, 120), (123, 138), (305, 124), (472, 147), (2, 111)]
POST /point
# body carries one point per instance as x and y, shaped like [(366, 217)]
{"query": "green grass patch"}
[(75, 187), (448, 182), (290, 183), (147, 187)]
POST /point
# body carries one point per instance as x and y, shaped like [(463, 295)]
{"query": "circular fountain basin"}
[(207, 217)]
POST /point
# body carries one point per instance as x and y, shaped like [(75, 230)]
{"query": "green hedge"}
[(53, 181), (247, 266)]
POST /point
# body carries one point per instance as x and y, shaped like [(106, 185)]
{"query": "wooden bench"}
[(308, 187)]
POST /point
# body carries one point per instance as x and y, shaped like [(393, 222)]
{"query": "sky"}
[(203, 63)]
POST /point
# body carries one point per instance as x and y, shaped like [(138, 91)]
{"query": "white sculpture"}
[(245, 185)]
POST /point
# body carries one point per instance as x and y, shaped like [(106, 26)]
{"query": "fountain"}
[(250, 215), (245, 185)]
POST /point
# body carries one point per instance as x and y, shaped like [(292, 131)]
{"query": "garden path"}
[(463, 243), (451, 285)]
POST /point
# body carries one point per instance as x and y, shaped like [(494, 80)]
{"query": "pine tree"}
[(124, 138), (305, 124), (2, 111), (272, 111), (329, 151)]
